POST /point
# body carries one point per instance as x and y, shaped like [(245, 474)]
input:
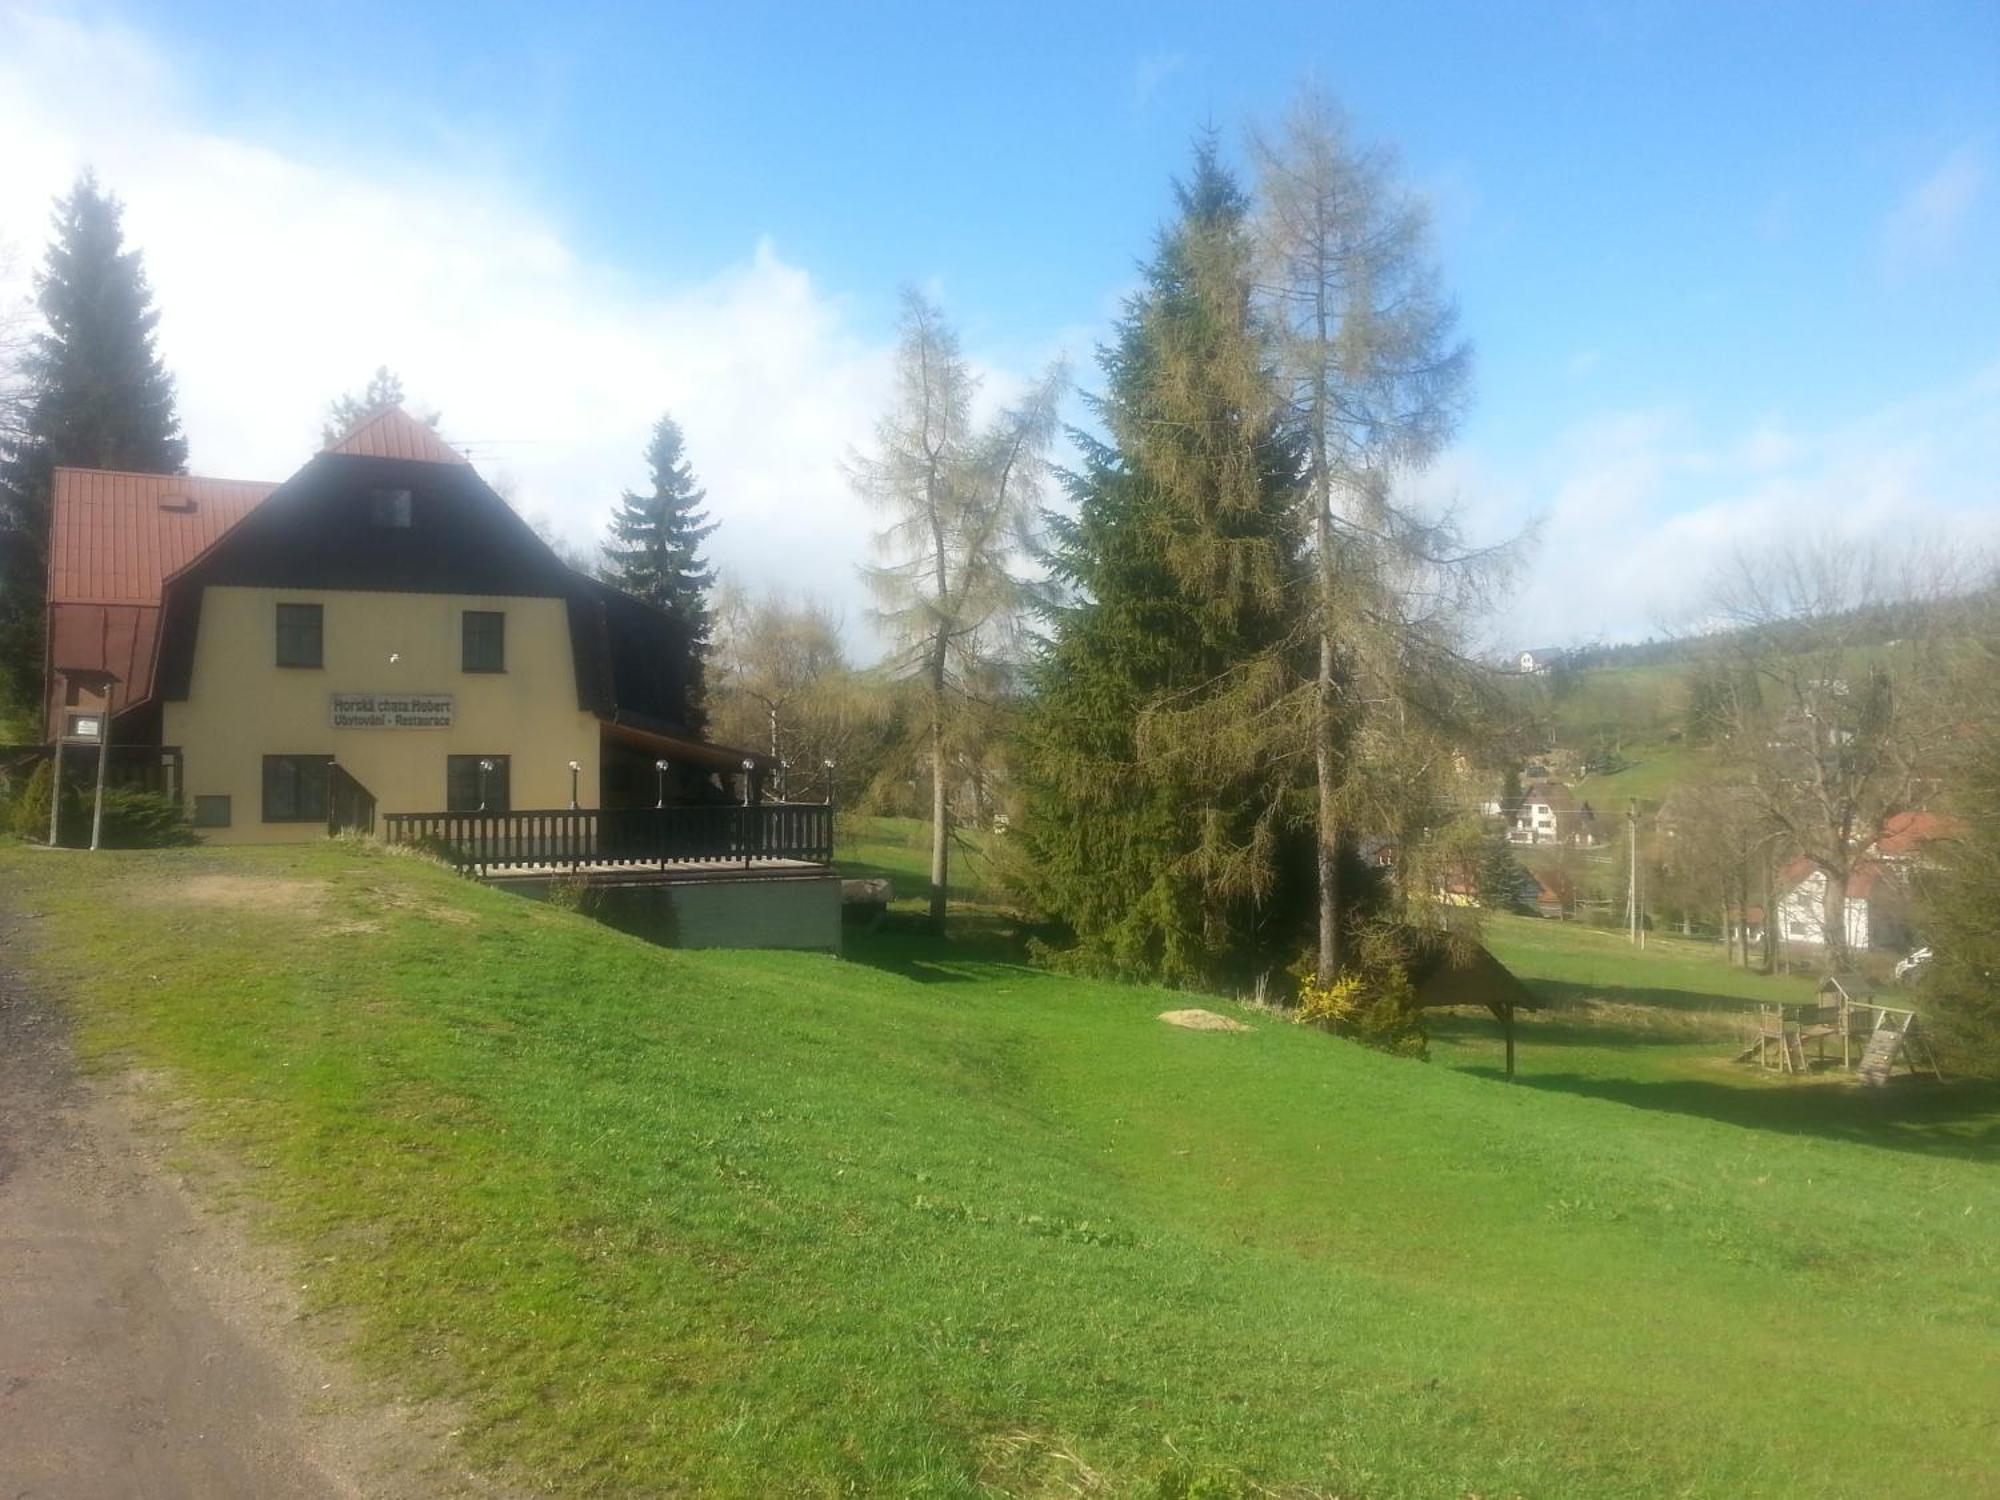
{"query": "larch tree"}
[(1377, 378), (96, 396), (653, 548), (1157, 757), (960, 501)]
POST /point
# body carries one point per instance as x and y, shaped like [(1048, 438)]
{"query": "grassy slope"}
[(759, 1223)]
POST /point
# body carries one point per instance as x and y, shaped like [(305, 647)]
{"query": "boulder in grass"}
[(1201, 1020)]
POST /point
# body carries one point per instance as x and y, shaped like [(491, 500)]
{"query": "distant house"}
[(1876, 911), (1541, 660), (1551, 814)]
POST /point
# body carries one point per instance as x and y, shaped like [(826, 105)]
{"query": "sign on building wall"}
[(391, 710)]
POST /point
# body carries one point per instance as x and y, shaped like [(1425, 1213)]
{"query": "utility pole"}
[(1632, 919)]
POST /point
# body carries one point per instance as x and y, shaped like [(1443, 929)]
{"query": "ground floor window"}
[(211, 812), (476, 783), (295, 788)]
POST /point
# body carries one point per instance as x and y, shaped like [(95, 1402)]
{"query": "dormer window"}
[(390, 509)]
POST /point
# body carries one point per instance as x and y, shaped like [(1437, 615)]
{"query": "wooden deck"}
[(692, 842)]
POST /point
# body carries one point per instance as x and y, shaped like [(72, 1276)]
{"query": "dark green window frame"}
[(483, 641), (462, 783), (296, 788), (301, 635)]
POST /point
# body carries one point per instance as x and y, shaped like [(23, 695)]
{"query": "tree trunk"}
[(1833, 922), (940, 779), (1326, 757)]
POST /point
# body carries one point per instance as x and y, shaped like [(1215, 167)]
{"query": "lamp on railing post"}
[(575, 770), (484, 767), (784, 779), (829, 781), (660, 784), (749, 765)]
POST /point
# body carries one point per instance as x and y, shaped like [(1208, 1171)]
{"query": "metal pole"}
[(103, 760), (55, 790)]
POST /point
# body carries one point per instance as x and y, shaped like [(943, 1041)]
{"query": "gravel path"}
[(147, 1348)]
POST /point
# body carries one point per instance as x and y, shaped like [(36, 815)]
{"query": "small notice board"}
[(391, 710)]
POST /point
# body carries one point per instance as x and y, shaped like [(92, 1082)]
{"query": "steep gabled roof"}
[(392, 432)]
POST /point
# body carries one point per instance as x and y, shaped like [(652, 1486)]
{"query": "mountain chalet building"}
[(381, 644)]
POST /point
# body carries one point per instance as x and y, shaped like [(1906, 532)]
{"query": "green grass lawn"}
[(927, 1222), (1655, 771)]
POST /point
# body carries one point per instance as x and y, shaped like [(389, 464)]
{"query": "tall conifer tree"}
[(98, 398), (1162, 808), (653, 551)]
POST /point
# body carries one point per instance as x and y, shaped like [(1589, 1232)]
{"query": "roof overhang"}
[(678, 746)]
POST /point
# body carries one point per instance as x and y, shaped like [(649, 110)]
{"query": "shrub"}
[(1376, 1007), (133, 819)]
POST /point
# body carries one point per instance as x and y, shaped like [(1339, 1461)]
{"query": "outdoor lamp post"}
[(784, 778), (575, 770), (484, 767), (829, 782), (660, 779), (748, 766)]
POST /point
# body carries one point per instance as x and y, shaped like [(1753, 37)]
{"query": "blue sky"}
[(1729, 268)]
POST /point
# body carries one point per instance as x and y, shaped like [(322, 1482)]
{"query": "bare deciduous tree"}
[(780, 678), (17, 325), (1838, 708), (960, 501)]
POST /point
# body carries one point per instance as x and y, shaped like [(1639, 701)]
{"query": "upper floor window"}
[(301, 638), (485, 641), (390, 509)]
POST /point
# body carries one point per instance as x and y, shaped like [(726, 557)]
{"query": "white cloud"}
[(1925, 227), (282, 281), (1642, 507)]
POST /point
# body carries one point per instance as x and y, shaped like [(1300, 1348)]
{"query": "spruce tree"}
[(1502, 880), (98, 398), (349, 410), (1162, 814), (653, 551)]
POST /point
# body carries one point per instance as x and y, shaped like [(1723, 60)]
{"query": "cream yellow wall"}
[(241, 706)]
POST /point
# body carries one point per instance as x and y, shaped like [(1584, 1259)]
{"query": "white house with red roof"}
[(1875, 913)]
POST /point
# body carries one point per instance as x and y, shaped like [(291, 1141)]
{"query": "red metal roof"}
[(1908, 832), (114, 538), (394, 433)]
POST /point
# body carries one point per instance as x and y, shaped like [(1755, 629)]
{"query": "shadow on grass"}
[(1909, 1114), (1568, 994), (978, 946)]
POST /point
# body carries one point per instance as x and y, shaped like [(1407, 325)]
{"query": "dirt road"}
[(147, 1349)]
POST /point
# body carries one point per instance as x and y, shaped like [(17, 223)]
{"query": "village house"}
[(1551, 814), (1876, 912), (380, 644), (1539, 661)]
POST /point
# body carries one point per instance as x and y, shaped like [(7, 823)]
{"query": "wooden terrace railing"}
[(569, 838)]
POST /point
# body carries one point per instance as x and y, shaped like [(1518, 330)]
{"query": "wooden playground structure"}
[(1873, 1036)]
